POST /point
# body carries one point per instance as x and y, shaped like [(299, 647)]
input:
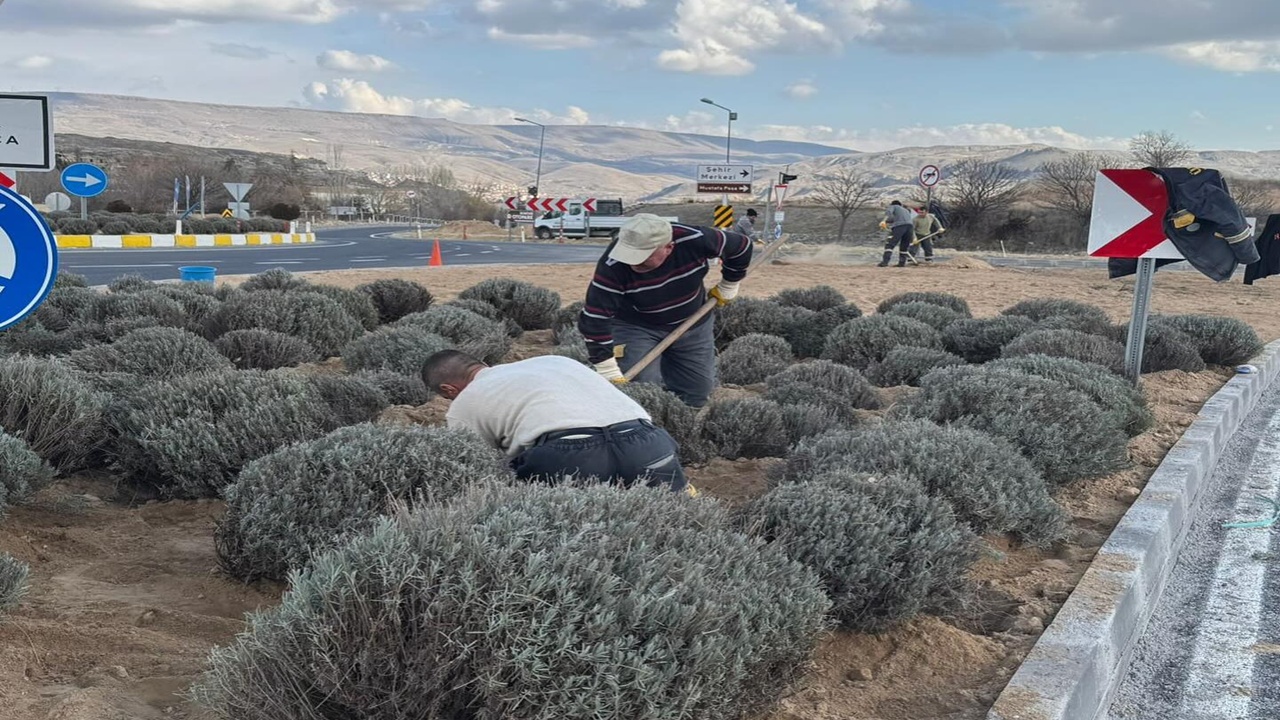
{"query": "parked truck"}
[(576, 222)]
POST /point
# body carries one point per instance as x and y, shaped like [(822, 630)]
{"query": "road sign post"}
[(28, 258), (929, 177), (84, 181), (57, 202), (725, 179), (238, 207), (26, 133)]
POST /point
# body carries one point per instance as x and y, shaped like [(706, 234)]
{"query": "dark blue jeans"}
[(626, 453), (687, 368)]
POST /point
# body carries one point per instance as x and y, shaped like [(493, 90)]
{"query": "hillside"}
[(607, 161)]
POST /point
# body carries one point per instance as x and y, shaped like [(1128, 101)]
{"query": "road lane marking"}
[(119, 266)]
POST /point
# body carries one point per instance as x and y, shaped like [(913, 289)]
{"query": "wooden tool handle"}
[(707, 307)]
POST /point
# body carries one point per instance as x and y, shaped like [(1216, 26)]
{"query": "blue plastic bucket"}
[(198, 273)]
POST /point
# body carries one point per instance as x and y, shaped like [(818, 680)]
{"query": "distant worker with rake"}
[(648, 282), (926, 227), (555, 418), (899, 221)]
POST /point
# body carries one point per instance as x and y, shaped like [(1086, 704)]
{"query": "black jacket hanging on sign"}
[(1120, 267), (1268, 244), (1204, 222)]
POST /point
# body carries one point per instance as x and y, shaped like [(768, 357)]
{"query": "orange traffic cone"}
[(436, 260)]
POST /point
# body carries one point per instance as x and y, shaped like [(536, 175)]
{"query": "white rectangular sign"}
[(26, 132), (726, 173)]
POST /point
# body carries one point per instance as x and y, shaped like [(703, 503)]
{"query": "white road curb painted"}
[(1078, 662), (147, 242)]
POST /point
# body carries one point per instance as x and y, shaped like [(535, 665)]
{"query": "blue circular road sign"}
[(84, 180), (28, 258)]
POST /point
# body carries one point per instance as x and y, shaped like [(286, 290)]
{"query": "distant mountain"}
[(605, 161)]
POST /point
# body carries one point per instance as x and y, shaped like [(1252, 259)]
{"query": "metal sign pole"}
[(84, 209), (768, 211), (1138, 322)]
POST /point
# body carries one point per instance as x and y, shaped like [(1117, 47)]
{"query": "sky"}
[(861, 74)]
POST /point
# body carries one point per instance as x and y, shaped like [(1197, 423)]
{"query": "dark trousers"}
[(928, 248), (902, 235), (625, 453), (687, 368)]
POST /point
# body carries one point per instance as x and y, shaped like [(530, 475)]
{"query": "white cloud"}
[(34, 62), (802, 90), (170, 12), (1237, 57), (358, 96), (543, 41), (876, 140), (347, 61), (716, 36)]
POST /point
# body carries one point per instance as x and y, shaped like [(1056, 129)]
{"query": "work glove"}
[(724, 293), (610, 371), (884, 225)]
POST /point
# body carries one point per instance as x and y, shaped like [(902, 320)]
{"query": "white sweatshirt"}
[(512, 405)]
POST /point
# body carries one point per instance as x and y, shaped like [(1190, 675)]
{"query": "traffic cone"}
[(436, 260)]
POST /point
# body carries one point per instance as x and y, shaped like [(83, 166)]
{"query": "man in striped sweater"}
[(648, 282)]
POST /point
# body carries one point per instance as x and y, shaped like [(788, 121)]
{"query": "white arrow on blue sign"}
[(84, 180), (28, 258)]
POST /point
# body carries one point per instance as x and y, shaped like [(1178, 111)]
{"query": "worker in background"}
[(924, 226), (649, 281), (900, 222), (554, 418), (747, 225)]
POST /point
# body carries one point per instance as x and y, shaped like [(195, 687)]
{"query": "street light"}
[(537, 182), (732, 116)]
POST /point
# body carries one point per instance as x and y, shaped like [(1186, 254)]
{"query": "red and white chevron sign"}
[(6, 181), (561, 204), (548, 204), (512, 203)]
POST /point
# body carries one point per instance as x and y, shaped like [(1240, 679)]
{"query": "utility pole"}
[(728, 137), (537, 178)]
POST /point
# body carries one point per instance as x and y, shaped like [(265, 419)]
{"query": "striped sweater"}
[(664, 297)]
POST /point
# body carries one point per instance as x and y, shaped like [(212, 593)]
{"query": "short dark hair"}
[(896, 202), (751, 212), (447, 366)]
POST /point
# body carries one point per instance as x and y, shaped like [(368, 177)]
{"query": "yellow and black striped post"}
[(724, 216)]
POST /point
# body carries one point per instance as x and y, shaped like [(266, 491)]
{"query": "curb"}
[(1076, 664), (128, 242)]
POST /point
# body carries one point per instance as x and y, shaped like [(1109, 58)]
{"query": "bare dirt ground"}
[(126, 599)]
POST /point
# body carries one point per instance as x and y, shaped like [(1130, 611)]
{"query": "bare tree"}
[(1255, 198), (978, 189), (846, 191), (1067, 184), (1159, 149)]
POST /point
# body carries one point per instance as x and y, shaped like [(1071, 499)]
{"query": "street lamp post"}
[(728, 135), (537, 182)]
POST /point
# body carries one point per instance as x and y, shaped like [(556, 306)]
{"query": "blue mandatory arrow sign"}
[(28, 258), (84, 180)]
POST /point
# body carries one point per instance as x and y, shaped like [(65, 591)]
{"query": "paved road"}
[(1212, 649), (372, 246), (339, 249)]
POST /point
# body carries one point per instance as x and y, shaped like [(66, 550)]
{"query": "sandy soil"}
[(127, 600), (988, 290)]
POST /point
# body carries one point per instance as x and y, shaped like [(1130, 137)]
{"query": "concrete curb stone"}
[(1076, 664)]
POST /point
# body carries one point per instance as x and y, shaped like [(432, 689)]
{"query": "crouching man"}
[(555, 417)]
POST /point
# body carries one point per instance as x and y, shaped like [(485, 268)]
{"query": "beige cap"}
[(638, 237)]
